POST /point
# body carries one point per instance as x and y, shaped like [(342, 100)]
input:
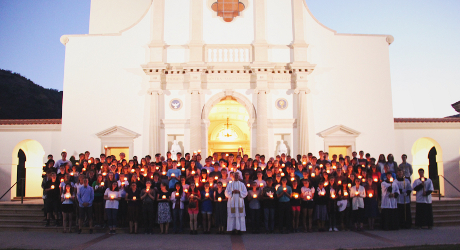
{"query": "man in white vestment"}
[(236, 192)]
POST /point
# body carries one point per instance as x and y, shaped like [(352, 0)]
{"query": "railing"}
[(228, 53), (23, 182), (449, 184)]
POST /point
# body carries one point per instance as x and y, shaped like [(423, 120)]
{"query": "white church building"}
[(218, 75)]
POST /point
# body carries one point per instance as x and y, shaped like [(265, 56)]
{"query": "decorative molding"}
[(118, 132), (339, 131), (426, 125), (281, 104), (30, 128), (243, 100), (175, 123), (282, 123), (177, 105)]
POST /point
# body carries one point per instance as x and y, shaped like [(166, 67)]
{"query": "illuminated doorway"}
[(427, 154), (228, 129)]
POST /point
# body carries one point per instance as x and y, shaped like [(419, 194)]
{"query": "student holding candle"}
[(389, 204), (164, 209), (52, 197), (321, 201), (98, 203), (67, 200), (133, 198), (423, 210), (371, 209), (332, 206), (206, 207), (85, 196), (307, 204), (220, 208), (148, 201), (405, 188), (173, 175), (191, 171), (295, 205), (178, 198), (112, 198), (254, 196), (284, 193), (193, 196), (269, 205), (357, 194)]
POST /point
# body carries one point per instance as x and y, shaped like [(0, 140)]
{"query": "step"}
[(21, 217), (21, 206), (20, 211), (22, 222)]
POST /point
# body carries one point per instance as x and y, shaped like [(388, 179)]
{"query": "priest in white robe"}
[(236, 192)]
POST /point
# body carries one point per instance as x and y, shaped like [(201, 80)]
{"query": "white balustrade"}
[(224, 54)]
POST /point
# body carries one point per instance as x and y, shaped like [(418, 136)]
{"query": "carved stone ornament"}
[(281, 104), (228, 9), (175, 104)]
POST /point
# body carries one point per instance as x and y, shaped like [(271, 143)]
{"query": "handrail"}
[(8, 190), (450, 183)]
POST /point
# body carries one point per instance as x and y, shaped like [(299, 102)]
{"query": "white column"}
[(302, 121), (195, 121), (262, 123), (196, 32), (157, 43), (260, 42), (154, 125)]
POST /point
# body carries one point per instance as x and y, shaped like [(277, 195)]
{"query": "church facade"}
[(262, 76)]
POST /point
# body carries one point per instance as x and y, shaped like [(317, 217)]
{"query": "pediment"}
[(117, 132), (339, 130)]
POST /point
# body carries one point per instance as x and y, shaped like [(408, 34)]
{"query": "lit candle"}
[(304, 163), (207, 194), (328, 171), (320, 165), (254, 196), (173, 175), (423, 179), (271, 196), (226, 154), (313, 174), (186, 190), (282, 165), (71, 174), (163, 197), (122, 183), (326, 183), (193, 171), (219, 199), (261, 184), (224, 184), (349, 185), (357, 193), (334, 167), (308, 197), (391, 179), (284, 189), (333, 196), (134, 198), (102, 183), (322, 193), (216, 177), (126, 178), (310, 167), (138, 178), (84, 169), (132, 170), (292, 178), (142, 169), (375, 179), (112, 197), (147, 189), (255, 168), (151, 177), (249, 185), (199, 151), (203, 180), (345, 193), (63, 150), (104, 174), (163, 173), (183, 169), (194, 152), (67, 196), (145, 174), (370, 195), (296, 196), (282, 174), (340, 182), (89, 161), (360, 177), (62, 180), (157, 168)]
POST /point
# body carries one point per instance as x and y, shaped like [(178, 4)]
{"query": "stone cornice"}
[(30, 128)]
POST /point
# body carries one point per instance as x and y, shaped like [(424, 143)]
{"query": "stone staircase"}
[(29, 217)]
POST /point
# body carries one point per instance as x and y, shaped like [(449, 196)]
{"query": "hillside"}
[(20, 98)]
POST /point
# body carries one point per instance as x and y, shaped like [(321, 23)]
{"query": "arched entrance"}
[(229, 117), (427, 154), (33, 167)]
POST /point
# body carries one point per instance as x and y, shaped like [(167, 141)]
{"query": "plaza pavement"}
[(335, 240)]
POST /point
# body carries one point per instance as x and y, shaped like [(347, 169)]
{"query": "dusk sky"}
[(424, 58)]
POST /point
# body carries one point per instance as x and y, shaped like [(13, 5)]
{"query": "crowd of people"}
[(227, 192)]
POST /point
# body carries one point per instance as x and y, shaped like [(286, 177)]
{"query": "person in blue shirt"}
[(173, 175), (284, 193), (85, 196)]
